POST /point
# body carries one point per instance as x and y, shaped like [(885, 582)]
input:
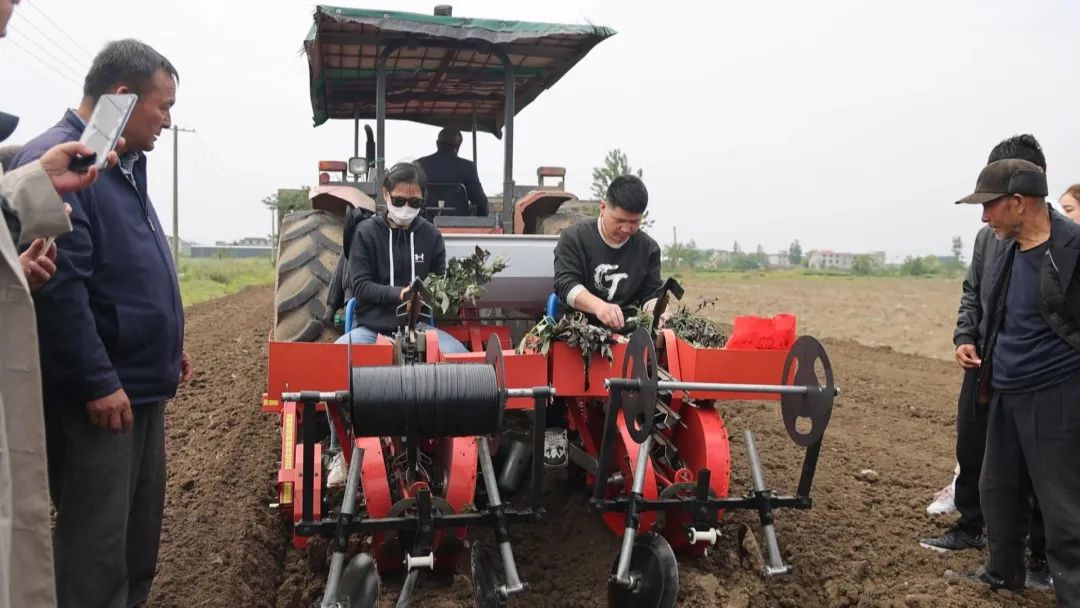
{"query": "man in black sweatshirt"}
[(604, 268), (607, 266), (388, 252)]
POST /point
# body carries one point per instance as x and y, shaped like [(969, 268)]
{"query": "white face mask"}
[(403, 215)]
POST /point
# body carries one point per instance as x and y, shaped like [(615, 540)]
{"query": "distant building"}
[(251, 247), (720, 257), (780, 260), (185, 246), (229, 251), (253, 241), (827, 259)]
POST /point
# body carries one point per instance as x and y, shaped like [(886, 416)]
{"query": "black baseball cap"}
[(8, 123), (1004, 177)]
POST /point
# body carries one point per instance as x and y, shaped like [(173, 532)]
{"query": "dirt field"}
[(914, 316), (856, 547)]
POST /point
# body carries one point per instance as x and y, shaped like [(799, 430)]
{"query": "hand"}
[(663, 319), (610, 315), (38, 263), (404, 294), (967, 357), (56, 160), (111, 412), (186, 369)]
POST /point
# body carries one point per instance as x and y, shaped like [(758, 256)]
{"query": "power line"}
[(46, 64), (214, 161), (176, 191), (59, 61), (33, 3), (80, 61)]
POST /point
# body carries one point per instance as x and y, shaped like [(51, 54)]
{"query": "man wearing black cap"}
[(445, 167), (1030, 377), (963, 493)]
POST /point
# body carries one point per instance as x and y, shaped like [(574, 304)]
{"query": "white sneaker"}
[(337, 475), (555, 447), (943, 500)]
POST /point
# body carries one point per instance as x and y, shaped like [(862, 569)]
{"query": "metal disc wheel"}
[(359, 585), (485, 580), (654, 572)]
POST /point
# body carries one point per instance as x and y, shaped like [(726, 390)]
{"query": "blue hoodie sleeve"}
[(71, 347), (363, 270)]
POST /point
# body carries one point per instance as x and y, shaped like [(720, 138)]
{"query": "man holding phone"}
[(111, 333)]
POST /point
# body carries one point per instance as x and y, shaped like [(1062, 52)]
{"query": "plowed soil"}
[(223, 546)]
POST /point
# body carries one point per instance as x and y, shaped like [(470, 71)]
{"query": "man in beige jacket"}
[(33, 211)]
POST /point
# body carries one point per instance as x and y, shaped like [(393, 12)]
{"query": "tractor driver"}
[(388, 252), (446, 167), (605, 267)]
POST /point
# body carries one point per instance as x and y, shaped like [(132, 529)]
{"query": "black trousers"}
[(109, 493), (971, 418), (1033, 439)]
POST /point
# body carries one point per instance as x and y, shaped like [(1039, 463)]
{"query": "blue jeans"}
[(447, 344)]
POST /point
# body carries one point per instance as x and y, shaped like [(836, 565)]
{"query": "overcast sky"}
[(847, 125)]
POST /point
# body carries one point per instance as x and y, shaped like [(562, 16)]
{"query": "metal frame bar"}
[(327, 527), (630, 384)]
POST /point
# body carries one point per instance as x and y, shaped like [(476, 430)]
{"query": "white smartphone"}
[(104, 129)]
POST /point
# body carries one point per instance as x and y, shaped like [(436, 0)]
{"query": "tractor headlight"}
[(358, 165)]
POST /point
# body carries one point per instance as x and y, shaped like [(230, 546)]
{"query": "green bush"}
[(204, 279)]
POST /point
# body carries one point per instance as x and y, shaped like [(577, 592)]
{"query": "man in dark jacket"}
[(1030, 376), (604, 268), (607, 266), (111, 330), (388, 252), (967, 533), (446, 167)]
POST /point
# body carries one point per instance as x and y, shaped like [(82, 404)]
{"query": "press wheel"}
[(655, 574), (485, 579), (359, 585)]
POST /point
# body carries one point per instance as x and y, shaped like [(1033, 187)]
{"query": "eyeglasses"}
[(401, 201)]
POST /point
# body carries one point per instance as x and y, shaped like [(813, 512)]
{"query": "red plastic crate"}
[(718, 365)]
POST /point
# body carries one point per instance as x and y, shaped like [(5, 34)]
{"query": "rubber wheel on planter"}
[(359, 583), (485, 579), (308, 252), (653, 567)]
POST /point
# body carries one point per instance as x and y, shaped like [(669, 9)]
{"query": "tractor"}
[(432, 444)]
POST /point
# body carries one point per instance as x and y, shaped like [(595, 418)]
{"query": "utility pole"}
[(176, 193), (675, 246)]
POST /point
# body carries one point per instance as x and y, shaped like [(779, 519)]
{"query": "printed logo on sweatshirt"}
[(606, 279), (418, 258)]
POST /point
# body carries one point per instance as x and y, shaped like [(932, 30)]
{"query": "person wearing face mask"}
[(388, 252)]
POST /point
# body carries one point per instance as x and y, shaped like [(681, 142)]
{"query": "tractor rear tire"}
[(308, 252), (569, 214)]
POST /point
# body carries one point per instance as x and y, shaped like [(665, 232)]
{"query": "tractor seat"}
[(443, 199)]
